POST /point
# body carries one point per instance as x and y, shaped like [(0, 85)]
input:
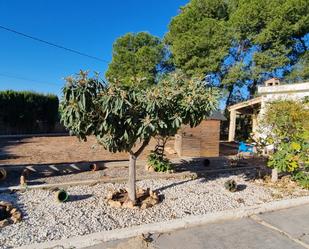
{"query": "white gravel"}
[(87, 212)]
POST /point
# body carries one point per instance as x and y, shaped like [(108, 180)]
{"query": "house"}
[(272, 90)]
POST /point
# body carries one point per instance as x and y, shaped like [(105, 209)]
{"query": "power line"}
[(52, 44), (26, 79)]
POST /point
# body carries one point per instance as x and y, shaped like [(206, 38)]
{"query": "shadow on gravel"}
[(73, 198), (173, 185), (217, 167), (241, 187)]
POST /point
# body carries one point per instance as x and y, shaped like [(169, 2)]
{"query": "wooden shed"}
[(201, 141)]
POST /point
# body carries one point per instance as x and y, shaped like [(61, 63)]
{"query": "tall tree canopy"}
[(240, 43), (137, 59)]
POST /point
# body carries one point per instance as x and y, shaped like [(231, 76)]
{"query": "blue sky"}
[(87, 26)]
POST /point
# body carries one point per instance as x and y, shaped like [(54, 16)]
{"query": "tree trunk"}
[(274, 175), (160, 147), (132, 178), (132, 171), (253, 88), (229, 97)]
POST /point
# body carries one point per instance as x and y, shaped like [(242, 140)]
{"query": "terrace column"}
[(232, 126), (254, 125)]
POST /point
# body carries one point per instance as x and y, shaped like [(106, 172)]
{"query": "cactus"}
[(230, 185)]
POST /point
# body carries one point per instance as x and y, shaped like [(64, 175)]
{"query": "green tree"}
[(239, 43), (137, 58), (300, 71), (124, 118)]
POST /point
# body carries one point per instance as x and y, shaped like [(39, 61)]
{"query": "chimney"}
[(272, 82)]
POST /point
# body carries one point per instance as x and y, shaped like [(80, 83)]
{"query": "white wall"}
[(291, 91)]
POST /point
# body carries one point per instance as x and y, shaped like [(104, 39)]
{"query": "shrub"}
[(287, 125), (24, 109), (158, 162), (302, 177), (230, 185)]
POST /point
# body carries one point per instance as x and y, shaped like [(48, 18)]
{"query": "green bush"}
[(23, 109), (288, 126), (230, 185), (302, 177), (158, 162)]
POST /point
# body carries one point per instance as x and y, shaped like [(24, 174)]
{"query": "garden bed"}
[(59, 149), (87, 210)]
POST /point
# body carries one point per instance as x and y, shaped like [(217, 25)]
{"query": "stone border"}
[(14, 214), (168, 226)]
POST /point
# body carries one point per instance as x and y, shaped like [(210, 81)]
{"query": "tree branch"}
[(140, 150), (303, 44)]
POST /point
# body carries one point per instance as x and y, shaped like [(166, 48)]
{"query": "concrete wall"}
[(201, 141), (281, 92)]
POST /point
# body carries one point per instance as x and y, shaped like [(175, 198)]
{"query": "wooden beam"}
[(244, 104)]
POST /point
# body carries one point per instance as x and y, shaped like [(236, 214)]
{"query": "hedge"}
[(25, 110)]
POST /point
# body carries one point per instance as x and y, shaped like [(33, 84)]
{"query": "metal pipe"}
[(62, 195), (95, 167)]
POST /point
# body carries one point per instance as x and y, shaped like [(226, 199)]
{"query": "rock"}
[(128, 204), (153, 201), (149, 168), (154, 195), (145, 205), (115, 204), (16, 217), (4, 223), (140, 191), (13, 210), (109, 195), (23, 181)]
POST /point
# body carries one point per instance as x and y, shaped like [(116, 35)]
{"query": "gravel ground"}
[(87, 212)]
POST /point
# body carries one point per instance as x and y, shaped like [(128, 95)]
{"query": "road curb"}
[(168, 226)]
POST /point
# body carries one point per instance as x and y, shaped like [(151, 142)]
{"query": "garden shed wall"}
[(201, 141)]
